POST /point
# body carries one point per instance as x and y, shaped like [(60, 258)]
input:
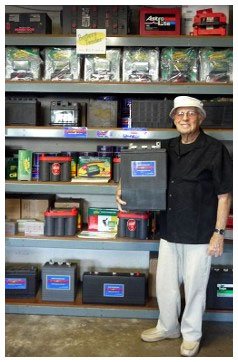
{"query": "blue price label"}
[(143, 168), (113, 290), (15, 283), (58, 282)]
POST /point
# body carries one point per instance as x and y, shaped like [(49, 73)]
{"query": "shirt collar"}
[(198, 143)]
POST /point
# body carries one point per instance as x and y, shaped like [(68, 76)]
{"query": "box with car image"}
[(102, 219)]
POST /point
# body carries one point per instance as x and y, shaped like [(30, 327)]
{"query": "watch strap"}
[(219, 231)]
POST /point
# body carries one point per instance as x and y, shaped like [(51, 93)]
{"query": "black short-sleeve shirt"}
[(197, 174)]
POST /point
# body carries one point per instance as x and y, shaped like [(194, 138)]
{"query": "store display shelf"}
[(121, 41), (60, 187), (77, 308), (75, 242), (116, 87), (116, 133)]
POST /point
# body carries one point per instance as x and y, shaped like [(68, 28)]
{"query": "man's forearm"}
[(223, 210)]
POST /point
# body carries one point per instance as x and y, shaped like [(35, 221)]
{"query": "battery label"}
[(15, 283), (143, 168), (225, 290), (58, 282), (113, 290), (165, 22)]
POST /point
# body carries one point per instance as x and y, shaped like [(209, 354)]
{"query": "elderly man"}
[(192, 227)]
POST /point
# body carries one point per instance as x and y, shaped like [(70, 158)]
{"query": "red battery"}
[(133, 224), (160, 21), (55, 168), (208, 23)]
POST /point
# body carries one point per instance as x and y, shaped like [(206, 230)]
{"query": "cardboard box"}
[(188, 13), (10, 227), (34, 208), (33, 228), (13, 209), (90, 166), (102, 219)]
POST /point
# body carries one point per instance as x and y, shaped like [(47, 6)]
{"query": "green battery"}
[(24, 165)]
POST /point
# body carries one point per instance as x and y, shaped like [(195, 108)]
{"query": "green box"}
[(24, 165)]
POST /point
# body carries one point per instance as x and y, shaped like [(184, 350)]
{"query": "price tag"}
[(75, 132)]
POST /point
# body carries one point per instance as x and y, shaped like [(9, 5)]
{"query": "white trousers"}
[(190, 264)]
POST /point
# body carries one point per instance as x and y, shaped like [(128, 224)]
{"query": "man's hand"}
[(216, 244), (119, 200)]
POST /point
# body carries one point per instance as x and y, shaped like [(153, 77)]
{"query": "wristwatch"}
[(219, 231)]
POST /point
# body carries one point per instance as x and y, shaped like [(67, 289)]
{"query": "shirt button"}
[(172, 181), (170, 195), (170, 209)]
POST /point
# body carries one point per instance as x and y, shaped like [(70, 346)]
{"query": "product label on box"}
[(143, 168), (225, 290), (58, 282), (113, 290), (75, 132), (15, 283)]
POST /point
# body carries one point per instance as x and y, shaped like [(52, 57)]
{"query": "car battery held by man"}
[(103, 67), (65, 113), (179, 64), (144, 177), (61, 64), (207, 22), (114, 288), (140, 65), (216, 65), (23, 63)]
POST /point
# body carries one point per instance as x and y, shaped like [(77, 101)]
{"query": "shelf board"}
[(121, 41), (107, 133), (74, 242), (32, 187), (118, 87), (77, 308)]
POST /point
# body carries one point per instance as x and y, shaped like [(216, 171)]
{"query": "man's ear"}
[(201, 119)]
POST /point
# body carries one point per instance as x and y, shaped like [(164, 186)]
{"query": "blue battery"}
[(35, 175)]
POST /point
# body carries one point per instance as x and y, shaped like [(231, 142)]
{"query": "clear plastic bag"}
[(140, 65), (103, 67), (23, 64), (61, 64), (216, 65), (179, 64)]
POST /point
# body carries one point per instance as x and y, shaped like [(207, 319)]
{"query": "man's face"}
[(187, 120)]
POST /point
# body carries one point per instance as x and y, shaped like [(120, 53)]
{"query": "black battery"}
[(59, 281), (220, 287), (55, 168), (79, 17), (28, 23), (114, 288), (65, 113), (144, 178), (21, 281), (61, 222), (20, 110)]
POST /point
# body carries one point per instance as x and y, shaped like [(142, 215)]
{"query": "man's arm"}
[(119, 201), (223, 209)]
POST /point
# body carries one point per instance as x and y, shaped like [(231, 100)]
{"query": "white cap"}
[(185, 101)]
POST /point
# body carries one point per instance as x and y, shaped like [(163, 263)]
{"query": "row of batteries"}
[(60, 281)]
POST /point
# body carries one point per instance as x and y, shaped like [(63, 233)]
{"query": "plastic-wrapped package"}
[(61, 64), (23, 63), (216, 65), (179, 64), (140, 64), (103, 67)]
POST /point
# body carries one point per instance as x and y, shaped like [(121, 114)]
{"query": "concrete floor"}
[(62, 336)]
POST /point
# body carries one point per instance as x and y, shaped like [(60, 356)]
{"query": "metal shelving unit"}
[(148, 311)]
